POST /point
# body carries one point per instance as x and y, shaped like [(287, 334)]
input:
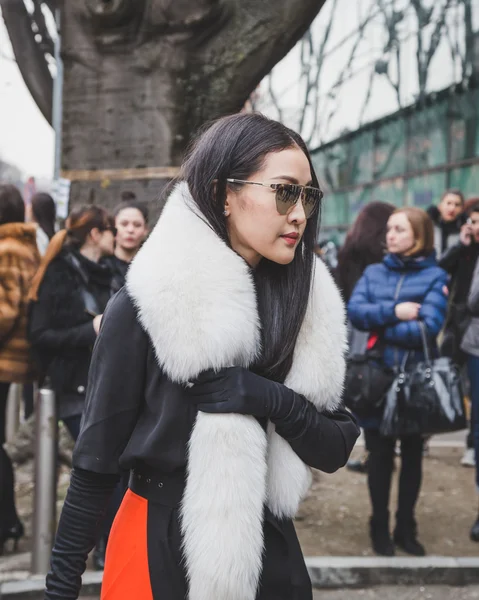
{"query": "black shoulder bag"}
[(425, 399), (367, 383)]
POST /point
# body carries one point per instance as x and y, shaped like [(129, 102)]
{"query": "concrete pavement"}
[(401, 593)]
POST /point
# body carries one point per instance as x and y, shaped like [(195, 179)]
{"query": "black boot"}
[(405, 537), (474, 535), (380, 537), (99, 554)]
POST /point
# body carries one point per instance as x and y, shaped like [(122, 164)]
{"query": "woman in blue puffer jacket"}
[(389, 301)]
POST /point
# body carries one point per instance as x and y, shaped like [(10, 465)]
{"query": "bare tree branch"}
[(424, 56), (313, 82), (368, 96), (274, 99), (29, 56), (46, 43), (468, 64), (345, 72)]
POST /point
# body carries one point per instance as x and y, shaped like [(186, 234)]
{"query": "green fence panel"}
[(466, 179), (424, 190)]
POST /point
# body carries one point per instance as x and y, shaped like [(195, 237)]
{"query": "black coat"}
[(459, 261), (61, 331), (119, 269), (446, 235), (136, 418)]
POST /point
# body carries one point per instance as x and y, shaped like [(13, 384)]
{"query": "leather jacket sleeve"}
[(323, 440), (83, 511), (451, 257), (473, 299)]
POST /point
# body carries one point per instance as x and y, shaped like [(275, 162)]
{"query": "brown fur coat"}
[(19, 260)]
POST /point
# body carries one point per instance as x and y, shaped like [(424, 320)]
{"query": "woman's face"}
[(450, 207), (131, 229), (400, 236), (256, 229), (106, 242)]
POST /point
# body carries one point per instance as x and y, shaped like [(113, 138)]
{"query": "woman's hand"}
[(237, 390), (407, 311), (97, 323), (466, 234)]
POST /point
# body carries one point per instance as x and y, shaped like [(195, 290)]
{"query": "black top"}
[(72, 292), (460, 261), (136, 417), (119, 269), (447, 229)]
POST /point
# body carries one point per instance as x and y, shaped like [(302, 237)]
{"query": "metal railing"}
[(45, 495)]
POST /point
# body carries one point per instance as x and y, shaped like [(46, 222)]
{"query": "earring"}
[(225, 213)]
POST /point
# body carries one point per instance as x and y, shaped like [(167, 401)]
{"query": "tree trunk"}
[(142, 76)]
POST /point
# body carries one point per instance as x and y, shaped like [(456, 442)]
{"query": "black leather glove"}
[(81, 517), (322, 440), (237, 390)]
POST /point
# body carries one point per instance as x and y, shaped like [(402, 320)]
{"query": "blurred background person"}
[(459, 261), (390, 299), (365, 244), (19, 260), (69, 294), (448, 218), (470, 346), (44, 215), (131, 222)]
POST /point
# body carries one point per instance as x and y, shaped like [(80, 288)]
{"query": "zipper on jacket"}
[(396, 296)]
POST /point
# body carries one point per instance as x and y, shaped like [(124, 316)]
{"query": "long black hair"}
[(236, 147), (44, 212)]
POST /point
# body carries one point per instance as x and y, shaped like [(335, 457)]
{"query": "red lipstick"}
[(291, 238)]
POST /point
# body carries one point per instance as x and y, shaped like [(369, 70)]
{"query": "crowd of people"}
[(399, 268), (221, 270), (54, 289)]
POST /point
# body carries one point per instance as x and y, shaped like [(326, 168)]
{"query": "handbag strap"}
[(425, 347), (425, 343)]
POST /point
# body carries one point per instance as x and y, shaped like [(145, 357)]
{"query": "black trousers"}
[(8, 513), (380, 469)]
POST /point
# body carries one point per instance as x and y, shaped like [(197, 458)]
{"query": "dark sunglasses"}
[(288, 194)]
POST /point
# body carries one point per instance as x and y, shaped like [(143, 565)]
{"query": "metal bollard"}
[(14, 403), (45, 493)]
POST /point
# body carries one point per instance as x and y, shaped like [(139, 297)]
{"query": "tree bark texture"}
[(30, 59), (141, 76)]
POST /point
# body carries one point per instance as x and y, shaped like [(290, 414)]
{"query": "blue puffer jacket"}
[(395, 280)]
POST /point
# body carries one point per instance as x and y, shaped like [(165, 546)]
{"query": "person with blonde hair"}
[(390, 300)]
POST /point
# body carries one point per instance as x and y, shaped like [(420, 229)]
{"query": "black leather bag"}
[(367, 383), (425, 399)]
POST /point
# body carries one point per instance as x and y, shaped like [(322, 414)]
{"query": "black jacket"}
[(459, 261), (119, 269), (136, 418), (446, 235), (73, 291)]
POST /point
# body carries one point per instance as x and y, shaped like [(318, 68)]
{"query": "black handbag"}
[(425, 399), (366, 385)]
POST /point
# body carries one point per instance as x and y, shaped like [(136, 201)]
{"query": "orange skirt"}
[(126, 574)]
